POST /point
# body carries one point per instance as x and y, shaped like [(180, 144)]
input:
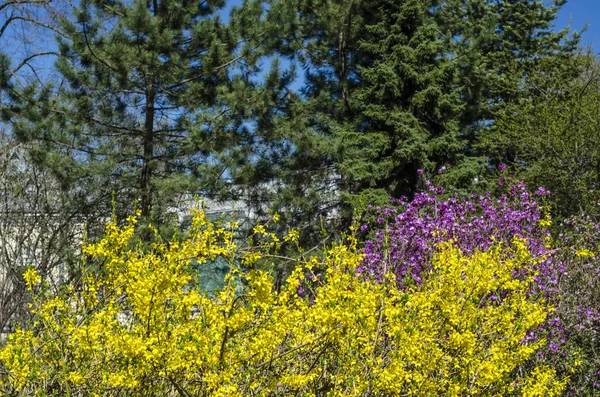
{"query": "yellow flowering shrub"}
[(139, 326)]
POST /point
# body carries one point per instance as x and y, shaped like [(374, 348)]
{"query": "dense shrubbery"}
[(407, 234), (448, 295), (139, 326)]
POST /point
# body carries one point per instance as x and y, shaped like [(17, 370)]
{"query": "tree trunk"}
[(148, 144)]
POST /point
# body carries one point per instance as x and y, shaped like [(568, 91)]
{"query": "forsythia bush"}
[(138, 326)]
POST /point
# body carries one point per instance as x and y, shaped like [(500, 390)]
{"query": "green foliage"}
[(157, 101), (550, 139), (407, 102)]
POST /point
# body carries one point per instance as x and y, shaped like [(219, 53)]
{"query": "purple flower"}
[(415, 227), (501, 166), (542, 191)]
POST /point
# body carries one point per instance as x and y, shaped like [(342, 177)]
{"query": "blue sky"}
[(579, 13)]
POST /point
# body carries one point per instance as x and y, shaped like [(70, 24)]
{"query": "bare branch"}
[(8, 3), (30, 20), (29, 58)]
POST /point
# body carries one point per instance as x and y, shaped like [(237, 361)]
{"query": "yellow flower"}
[(584, 253), (142, 325), (293, 235), (32, 278)]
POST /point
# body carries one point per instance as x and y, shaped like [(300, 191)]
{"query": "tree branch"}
[(8, 3), (30, 20), (29, 58)]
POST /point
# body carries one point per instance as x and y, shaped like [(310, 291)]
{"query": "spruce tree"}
[(408, 103), (394, 87)]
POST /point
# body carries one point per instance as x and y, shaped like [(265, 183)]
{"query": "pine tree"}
[(321, 36), (155, 102)]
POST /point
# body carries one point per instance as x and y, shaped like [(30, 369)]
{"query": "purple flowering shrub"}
[(407, 232), (577, 321)]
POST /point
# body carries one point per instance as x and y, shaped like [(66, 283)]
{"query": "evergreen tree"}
[(155, 102), (322, 36), (393, 87), (408, 102)]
